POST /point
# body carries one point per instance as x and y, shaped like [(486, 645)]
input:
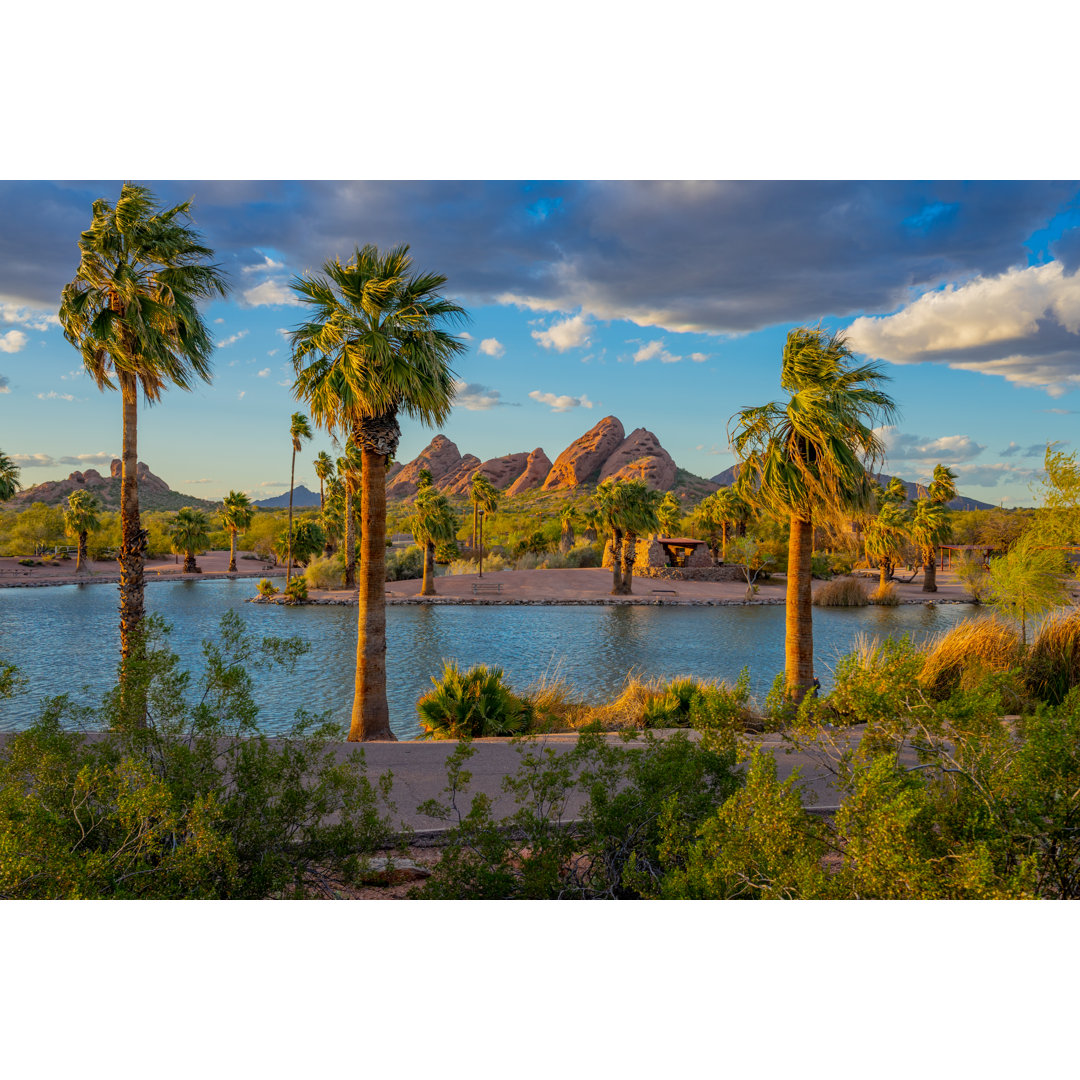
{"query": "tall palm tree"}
[(236, 515), (929, 527), (132, 311), (485, 499), (942, 488), (805, 456), (191, 534), (332, 517), (726, 506), (80, 519), (886, 536), (375, 346), (324, 469), (350, 468), (299, 430), (607, 498), (638, 510), (9, 478), (433, 522)]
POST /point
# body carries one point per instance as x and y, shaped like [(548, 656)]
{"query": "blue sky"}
[(663, 303)]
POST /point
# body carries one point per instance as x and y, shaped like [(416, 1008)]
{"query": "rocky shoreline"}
[(613, 601)]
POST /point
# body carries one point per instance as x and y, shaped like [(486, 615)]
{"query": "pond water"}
[(65, 639)]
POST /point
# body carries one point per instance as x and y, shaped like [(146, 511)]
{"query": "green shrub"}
[(196, 804), (326, 572), (1052, 664), (842, 592), (296, 590), (267, 588), (706, 706), (446, 552), (877, 680), (821, 566), (474, 704), (405, 565)]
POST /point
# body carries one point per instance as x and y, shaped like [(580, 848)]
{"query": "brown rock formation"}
[(537, 468), (501, 471), (154, 493), (641, 457), (582, 461), (440, 456), (458, 481)]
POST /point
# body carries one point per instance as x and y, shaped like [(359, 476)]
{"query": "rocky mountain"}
[(154, 493), (301, 497), (604, 451), (961, 502)]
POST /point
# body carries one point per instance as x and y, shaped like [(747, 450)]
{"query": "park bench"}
[(669, 592), (478, 588)]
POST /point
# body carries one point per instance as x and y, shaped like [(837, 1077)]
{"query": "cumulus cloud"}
[(477, 398), (266, 265), (1035, 450), (571, 333), (88, 460), (263, 374), (13, 341), (699, 357), (917, 450), (1022, 325), (561, 402), (52, 395), (27, 316), (492, 347), (465, 334), (33, 461), (655, 349), (232, 339), (272, 484), (218, 321), (273, 291), (994, 474)]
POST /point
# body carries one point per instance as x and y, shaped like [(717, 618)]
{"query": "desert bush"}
[(584, 556), (326, 572), (267, 588), (473, 704), (1052, 664), (962, 655), (530, 560), (877, 680), (296, 590), (446, 552), (842, 592), (405, 565), (196, 804), (973, 575), (693, 703), (887, 595), (821, 566)]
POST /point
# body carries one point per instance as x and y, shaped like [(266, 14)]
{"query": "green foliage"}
[(705, 706), (406, 565), (308, 541), (1027, 581), (446, 552), (267, 588), (877, 680), (197, 804), (821, 566), (473, 704), (326, 573), (296, 591), (973, 575)]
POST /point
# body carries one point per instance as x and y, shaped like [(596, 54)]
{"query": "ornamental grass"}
[(962, 655), (841, 592)]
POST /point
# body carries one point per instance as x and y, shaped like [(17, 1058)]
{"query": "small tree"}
[(752, 559), (1028, 580), (236, 515), (81, 519), (191, 534)]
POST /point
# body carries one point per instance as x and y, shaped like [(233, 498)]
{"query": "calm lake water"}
[(65, 639)]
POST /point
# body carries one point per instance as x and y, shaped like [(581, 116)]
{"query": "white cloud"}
[(492, 347), (1060, 412), (465, 334), (284, 331), (270, 292), (218, 321), (916, 451), (476, 398), (285, 382), (570, 334), (12, 341), (232, 339), (652, 350), (267, 265), (240, 396), (33, 461), (992, 475), (272, 352), (561, 402), (204, 480), (31, 318), (77, 373), (273, 484), (87, 460), (263, 374), (52, 395), (699, 357), (1020, 325)]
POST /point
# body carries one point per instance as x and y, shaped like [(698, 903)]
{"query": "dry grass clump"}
[(841, 592), (960, 656), (1052, 665), (887, 595), (558, 709)]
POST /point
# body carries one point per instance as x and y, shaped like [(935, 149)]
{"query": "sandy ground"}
[(214, 564)]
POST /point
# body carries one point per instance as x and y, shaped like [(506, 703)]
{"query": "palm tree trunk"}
[(799, 634), (929, 571), (370, 712), (132, 535), (616, 561), (883, 577), (723, 535), (80, 559), (629, 555), (428, 586), (292, 479), (190, 565), (232, 551), (350, 537), (475, 509)]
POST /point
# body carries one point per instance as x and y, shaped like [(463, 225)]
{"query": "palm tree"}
[(299, 429), (567, 516), (726, 506), (131, 310), (332, 517), (929, 527), (324, 469), (669, 514), (886, 536), (805, 456), (374, 347), (191, 534), (434, 522), (608, 501), (9, 478), (638, 511), (942, 490), (350, 468), (236, 515), (487, 502), (80, 519)]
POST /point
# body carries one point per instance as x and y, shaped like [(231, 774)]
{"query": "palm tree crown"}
[(191, 533), (9, 477), (237, 514), (376, 345)]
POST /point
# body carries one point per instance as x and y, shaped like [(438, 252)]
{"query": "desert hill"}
[(301, 497), (154, 493), (961, 502)]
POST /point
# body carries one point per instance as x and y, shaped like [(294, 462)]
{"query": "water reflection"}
[(65, 639)]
